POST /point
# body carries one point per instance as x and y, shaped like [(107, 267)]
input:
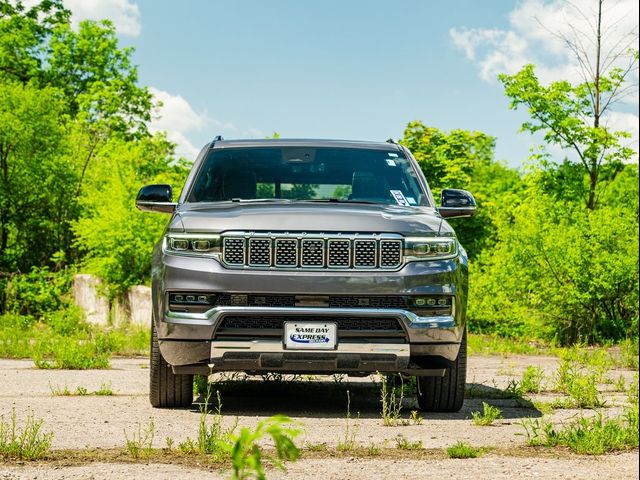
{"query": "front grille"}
[(293, 251), (276, 322)]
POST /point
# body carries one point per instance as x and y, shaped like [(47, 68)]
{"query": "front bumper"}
[(188, 341)]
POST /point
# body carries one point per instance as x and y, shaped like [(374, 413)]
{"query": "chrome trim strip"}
[(212, 316)]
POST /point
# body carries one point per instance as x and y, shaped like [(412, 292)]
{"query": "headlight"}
[(192, 243), (430, 248)]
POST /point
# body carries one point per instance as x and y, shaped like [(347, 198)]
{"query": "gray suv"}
[(308, 256)]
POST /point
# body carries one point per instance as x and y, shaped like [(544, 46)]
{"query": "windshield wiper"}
[(254, 200), (340, 200)]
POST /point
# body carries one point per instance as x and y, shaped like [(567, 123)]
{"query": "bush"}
[(38, 292), (560, 271)]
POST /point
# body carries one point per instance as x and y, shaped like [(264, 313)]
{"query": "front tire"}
[(167, 390), (445, 394)]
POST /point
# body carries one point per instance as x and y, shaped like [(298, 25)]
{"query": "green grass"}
[(532, 379), (580, 381), (25, 443), (489, 415), (403, 443), (587, 435), (63, 340), (104, 390), (464, 450)]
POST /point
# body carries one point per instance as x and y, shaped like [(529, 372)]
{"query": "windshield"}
[(308, 174)]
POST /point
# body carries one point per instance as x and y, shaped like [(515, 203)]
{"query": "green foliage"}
[(26, 443), (587, 435), (114, 236), (464, 450), (62, 339), (247, 458), (569, 116), (38, 292), (559, 270), (532, 379), (489, 415), (463, 159)]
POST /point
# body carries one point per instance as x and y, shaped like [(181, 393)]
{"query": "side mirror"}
[(155, 198), (457, 203)]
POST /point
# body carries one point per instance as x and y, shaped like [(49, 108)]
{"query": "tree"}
[(24, 33), (36, 180), (463, 159), (571, 116)]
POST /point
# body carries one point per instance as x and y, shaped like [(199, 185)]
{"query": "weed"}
[(349, 442), (187, 446), (489, 415), (317, 447), (464, 450), (104, 390), (28, 443), (141, 442), (580, 385), (628, 356), (591, 436), (169, 442), (621, 384), (391, 399), (632, 391), (415, 418), (212, 437), (532, 380), (373, 450), (246, 455), (403, 443)]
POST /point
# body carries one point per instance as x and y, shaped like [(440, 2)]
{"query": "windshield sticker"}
[(390, 162), (399, 197), (393, 155), (411, 200)]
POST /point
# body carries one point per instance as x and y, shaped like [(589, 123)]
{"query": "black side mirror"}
[(155, 198), (457, 203)]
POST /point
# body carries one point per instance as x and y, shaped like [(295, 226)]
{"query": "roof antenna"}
[(391, 140)]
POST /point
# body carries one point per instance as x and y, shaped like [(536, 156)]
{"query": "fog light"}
[(420, 302), (431, 301), (442, 301)]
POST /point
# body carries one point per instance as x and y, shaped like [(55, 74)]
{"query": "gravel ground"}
[(319, 404)]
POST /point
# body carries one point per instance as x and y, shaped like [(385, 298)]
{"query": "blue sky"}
[(338, 69)]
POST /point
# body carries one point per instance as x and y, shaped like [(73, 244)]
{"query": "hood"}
[(308, 217)]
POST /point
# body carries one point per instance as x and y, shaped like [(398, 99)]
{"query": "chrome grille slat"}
[(356, 251)]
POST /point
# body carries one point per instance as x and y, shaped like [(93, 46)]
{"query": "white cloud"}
[(536, 32), (124, 14), (177, 117)]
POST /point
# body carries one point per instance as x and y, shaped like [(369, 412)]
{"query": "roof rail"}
[(391, 140)]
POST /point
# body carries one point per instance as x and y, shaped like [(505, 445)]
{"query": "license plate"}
[(310, 335)]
